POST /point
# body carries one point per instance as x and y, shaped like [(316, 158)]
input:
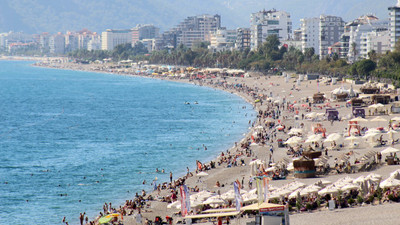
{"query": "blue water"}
[(70, 141)]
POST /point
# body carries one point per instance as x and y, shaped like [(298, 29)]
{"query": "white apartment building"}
[(310, 34), (394, 17), (222, 39), (111, 38), (378, 41), (365, 31), (266, 23), (331, 29)]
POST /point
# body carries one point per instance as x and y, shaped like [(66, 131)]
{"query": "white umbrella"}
[(373, 177), (389, 183), (328, 190), (314, 138), (293, 140), (202, 174), (349, 187), (359, 179), (390, 150), (174, 204), (333, 137), (397, 118), (375, 106), (359, 119), (378, 119), (214, 200)]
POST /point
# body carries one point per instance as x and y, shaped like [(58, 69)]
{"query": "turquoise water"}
[(70, 141)]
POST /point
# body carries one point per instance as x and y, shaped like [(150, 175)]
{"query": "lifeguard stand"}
[(354, 125)]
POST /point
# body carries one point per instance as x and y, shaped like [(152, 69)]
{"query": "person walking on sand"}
[(170, 176)]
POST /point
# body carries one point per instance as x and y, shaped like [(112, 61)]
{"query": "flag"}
[(259, 191), (185, 200), (238, 197), (266, 190)]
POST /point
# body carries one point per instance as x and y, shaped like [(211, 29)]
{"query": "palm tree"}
[(354, 50)]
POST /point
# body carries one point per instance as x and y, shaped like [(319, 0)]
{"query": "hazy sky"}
[(36, 16)]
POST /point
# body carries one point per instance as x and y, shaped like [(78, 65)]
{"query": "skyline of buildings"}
[(327, 34)]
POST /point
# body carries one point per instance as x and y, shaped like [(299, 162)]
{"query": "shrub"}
[(309, 206), (350, 201), (391, 197), (360, 199)]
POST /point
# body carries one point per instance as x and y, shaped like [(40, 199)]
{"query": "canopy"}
[(199, 216), (264, 207)]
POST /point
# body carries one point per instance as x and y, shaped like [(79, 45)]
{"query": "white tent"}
[(390, 150)]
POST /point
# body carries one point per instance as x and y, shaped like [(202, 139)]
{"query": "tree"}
[(354, 50), (365, 67), (309, 53)]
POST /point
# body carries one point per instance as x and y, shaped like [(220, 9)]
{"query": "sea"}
[(71, 141)]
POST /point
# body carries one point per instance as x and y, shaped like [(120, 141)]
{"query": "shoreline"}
[(243, 96), (236, 173)]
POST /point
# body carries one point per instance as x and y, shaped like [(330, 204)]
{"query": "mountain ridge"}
[(36, 16)]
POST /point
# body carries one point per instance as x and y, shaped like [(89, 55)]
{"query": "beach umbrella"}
[(328, 190), (202, 174), (390, 133), (390, 150), (375, 106), (108, 218), (215, 200), (359, 119), (333, 137), (370, 135), (395, 174), (389, 183), (351, 139), (323, 182), (314, 138), (173, 204), (349, 187), (373, 177), (359, 179), (293, 140), (397, 118), (378, 119)]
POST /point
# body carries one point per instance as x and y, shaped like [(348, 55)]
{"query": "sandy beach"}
[(277, 88)]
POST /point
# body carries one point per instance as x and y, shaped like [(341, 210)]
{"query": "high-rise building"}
[(144, 31), (330, 28), (196, 29), (111, 38), (394, 18), (243, 38), (266, 23), (57, 44), (310, 34)]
